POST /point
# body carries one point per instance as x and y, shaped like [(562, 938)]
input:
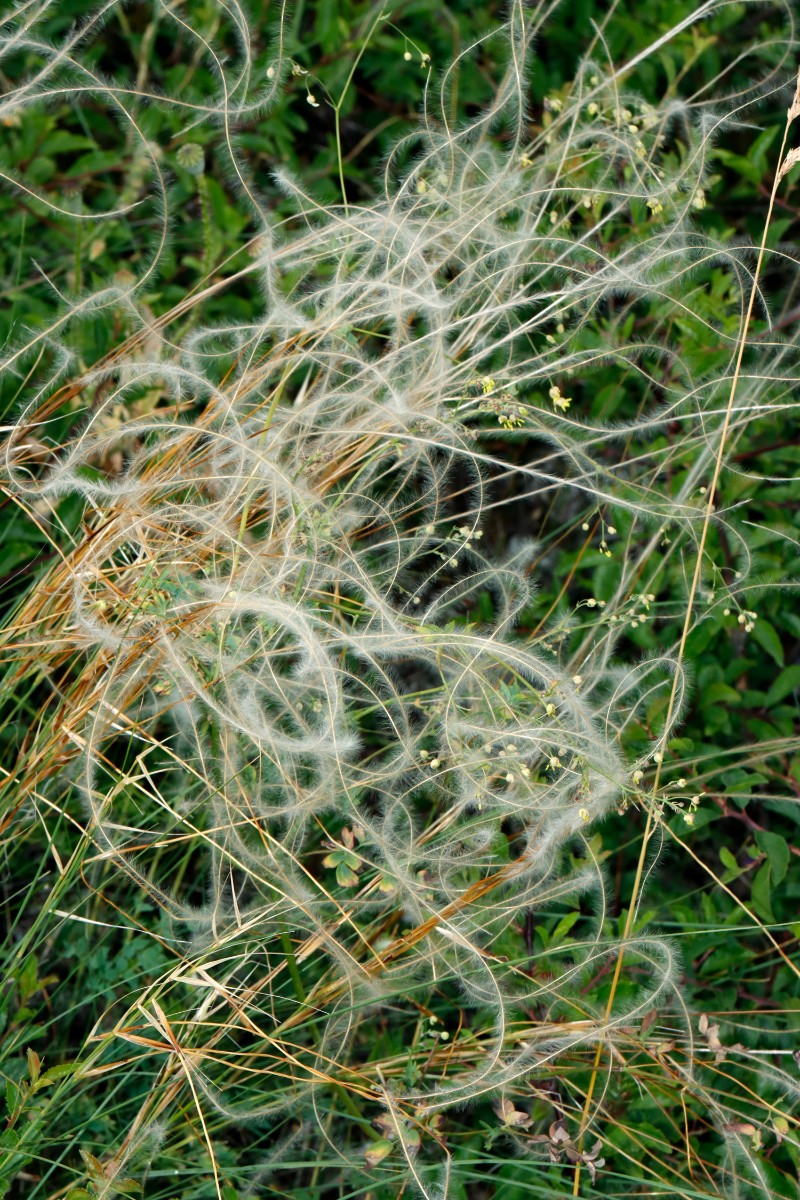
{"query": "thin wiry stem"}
[(653, 813)]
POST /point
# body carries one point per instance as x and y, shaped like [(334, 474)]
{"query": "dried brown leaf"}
[(791, 160)]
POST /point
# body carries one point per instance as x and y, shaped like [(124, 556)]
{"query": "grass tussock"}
[(302, 723)]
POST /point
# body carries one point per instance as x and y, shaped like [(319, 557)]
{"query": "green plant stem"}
[(291, 962)]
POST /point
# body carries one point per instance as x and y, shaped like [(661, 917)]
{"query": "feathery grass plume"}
[(304, 703)]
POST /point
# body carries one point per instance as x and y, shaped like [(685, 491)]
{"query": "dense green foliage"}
[(135, 1054)]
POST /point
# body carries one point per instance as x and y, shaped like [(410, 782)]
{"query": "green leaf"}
[(719, 693), (34, 1064), (411, 1138), (563, 927), (776, 849), (125, 1185), (788, 681), (13, 554), (768, 640), (345, 877), (739, 784), (644, 919), (761, 894), (729, 862), (741, 780), (94, 1167), (59, 1071), (377, 1152), (61, 141), (700, 637), (94, 162), (28, 978)]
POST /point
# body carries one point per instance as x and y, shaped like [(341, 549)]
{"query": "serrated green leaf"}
[(59, 1071), (12, 1096)]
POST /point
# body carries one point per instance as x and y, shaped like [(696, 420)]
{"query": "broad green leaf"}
[(761, 893), (563, 927), (719, 693), (733, 869), (345, 877), (788, 681), (767, 638), (377, 1152), (776, 849)]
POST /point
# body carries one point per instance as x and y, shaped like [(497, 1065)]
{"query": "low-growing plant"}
[(300, 729)]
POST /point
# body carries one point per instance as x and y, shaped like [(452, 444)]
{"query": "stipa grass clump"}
[(327, 743)]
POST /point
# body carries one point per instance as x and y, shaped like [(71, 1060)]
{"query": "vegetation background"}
[(81, 942)]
